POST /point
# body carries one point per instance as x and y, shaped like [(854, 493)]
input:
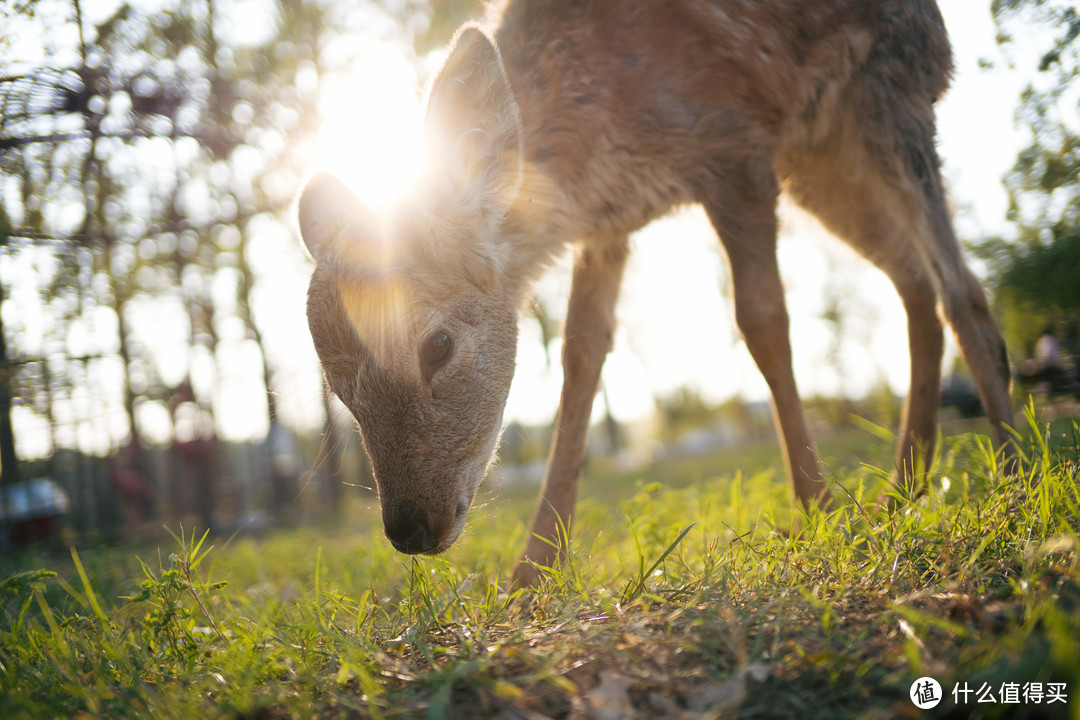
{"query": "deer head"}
[(413, 310)]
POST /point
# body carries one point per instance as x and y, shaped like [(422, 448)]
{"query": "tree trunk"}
[(9, 461)]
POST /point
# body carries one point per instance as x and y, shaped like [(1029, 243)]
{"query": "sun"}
[(371, 134)]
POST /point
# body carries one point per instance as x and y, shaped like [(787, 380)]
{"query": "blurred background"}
[(155, 363)]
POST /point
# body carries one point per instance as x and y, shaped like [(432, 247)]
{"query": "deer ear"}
[(325, 210), (472, 123)]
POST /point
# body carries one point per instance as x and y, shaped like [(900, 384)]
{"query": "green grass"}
[(683, 598)]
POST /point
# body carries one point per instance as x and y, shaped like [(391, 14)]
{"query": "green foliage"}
[(1053, 265), (636, 585), (20, 583), (1035, 277), (1035, 281), (700, 599), (168, 626)]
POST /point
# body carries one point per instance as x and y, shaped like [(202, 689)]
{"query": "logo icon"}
[(925, 693)]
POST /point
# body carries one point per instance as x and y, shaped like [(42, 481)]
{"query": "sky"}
[(675, 321)]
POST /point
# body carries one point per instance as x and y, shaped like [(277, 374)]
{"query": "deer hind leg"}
[(967, 311), (920, 198), (587, 338), (851, 209), (742, 208), (885, 197)]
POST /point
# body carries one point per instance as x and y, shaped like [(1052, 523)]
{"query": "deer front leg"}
[(742, 209), (587, 338), (926, 339), (763, 322)]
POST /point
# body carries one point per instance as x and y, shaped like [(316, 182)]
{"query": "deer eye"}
[(434, 351)]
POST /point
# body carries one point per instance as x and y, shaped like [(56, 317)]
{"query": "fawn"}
[(579, 122)]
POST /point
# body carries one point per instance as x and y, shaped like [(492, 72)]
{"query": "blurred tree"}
[(9, 458), (1037, 277), (141, 161)]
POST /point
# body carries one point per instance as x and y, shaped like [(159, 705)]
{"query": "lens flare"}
[(371, 135)]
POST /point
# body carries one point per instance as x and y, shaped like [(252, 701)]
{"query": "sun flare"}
[(371, 135)]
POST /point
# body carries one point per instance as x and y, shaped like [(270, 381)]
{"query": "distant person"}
[(1047, 352), (1044, 368)]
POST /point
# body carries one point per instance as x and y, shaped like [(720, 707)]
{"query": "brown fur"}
[(588, 121)]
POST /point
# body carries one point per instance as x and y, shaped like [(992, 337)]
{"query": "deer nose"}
[(411, 533)]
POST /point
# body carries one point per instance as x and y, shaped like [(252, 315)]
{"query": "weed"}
[(697, 598)]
